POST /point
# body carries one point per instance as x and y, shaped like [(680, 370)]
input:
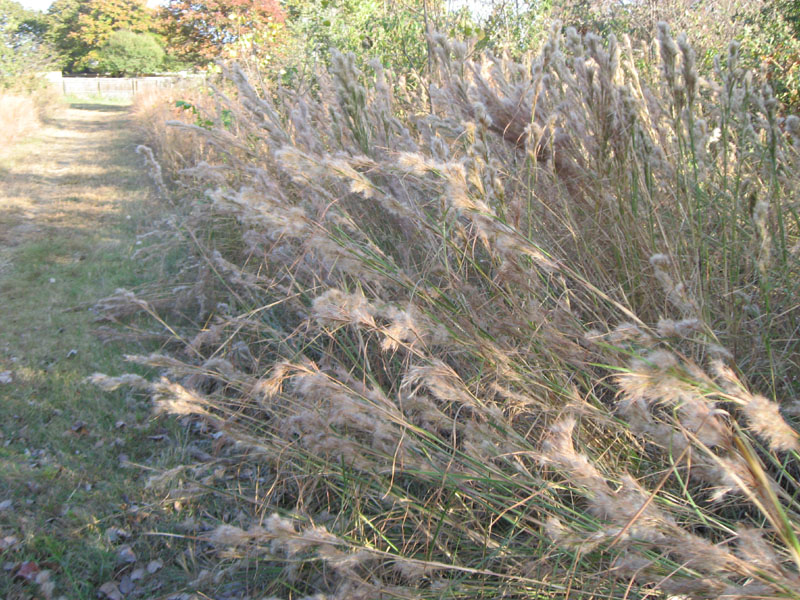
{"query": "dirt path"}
[(72, 200), (80, 168)]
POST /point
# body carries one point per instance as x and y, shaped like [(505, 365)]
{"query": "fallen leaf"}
[(6, 377), (28, 570), (126, 585), (110, 590), (6, 504), (137, 574), (119, 424), (47, 588), (126, 554), (114, 534), (8, 542), (202, 578), (79, 427), (154, 565)]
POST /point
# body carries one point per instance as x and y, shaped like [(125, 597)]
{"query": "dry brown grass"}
[(498, 337), (19, 117), (52, 192), (23, 112), (153, 111)]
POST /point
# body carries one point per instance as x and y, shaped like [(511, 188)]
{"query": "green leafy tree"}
[(22, 46), (514, 25), (80, 28), (129, 53), (391, 30)]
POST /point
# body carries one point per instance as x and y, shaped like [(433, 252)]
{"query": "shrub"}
[(498, 336), (129, 53), (773, 40)]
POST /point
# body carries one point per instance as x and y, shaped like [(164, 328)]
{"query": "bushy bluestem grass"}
[(502, 335)]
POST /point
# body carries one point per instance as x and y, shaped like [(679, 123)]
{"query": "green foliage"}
[(22, 50), (515, 27), (393, 32), (129, 53), (772, 40), (790, 10), (80, 28), (225, 115)]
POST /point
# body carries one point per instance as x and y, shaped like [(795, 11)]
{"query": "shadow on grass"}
[(99, 106)]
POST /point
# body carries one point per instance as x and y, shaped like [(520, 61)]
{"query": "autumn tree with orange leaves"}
[(200, 31)]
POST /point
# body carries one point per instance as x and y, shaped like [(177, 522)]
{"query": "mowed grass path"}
[(72, 201)]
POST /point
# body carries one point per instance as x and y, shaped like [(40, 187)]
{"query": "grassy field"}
[(72, 459)]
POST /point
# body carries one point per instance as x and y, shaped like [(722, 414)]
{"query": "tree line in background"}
[(287, 38), (126, 37)]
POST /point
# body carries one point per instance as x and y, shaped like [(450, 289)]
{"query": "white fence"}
[(115, 87)]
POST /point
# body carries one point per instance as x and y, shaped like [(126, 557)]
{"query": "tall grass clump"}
[(527, 331), (19, 117), (23, 112), (188, 103)]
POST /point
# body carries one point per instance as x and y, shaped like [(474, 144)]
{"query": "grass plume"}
[(498, 335)]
